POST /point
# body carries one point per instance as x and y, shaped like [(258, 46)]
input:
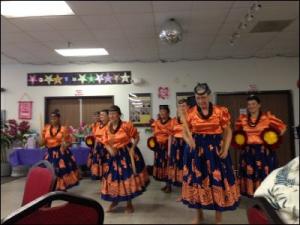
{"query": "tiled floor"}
[(153, 207)]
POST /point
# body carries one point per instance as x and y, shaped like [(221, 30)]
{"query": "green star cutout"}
[(82, 78), (48, 79), (91, 79)]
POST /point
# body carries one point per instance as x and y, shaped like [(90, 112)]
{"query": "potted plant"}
[(5, 145), (17, 133)]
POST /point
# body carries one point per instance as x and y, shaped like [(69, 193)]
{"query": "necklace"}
[(58, 130), (253, 124), (111, 128), (210, 111), (163, 123)]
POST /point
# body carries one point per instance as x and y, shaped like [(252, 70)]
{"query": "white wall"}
[(221, 75)]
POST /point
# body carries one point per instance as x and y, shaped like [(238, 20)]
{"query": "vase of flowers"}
[(17, 134), (80, 133)]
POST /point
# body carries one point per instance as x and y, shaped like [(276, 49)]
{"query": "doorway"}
[(279, 103)]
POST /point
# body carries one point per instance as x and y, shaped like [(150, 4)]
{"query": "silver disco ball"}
[(171, 32)]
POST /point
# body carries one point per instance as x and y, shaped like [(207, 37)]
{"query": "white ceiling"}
[(129, 31)]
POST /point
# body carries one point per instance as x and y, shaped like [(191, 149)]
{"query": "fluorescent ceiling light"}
[(82, 51), (34, 8)]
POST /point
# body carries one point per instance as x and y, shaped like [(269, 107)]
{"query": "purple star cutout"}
[(107, 78), (32, 79), (66, 79)]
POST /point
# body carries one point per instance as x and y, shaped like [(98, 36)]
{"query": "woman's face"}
[(54, 120), (253, 106), (114, 116), (202, 100), (103, 117), (163, 113)]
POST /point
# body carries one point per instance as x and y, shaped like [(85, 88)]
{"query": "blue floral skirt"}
[(175, 166), (160, 166), (119, 183), (208, 181), (96, 161), (65, 167), (255, 164)]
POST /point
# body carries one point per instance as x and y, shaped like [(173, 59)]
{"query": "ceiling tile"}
[(76, 35), (171, 6), (65, 22), (90, 7), (137, 21), (122, 7), (107, 33), (8, 27), (31, 24), (210, 5), (100, 21), (46, 35)]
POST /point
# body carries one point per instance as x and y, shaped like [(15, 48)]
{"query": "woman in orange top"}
[(58, 140), (98, 154), (208, 178), (256, 160), (162, 129), (94, 125), (175, 165), (126, 175)]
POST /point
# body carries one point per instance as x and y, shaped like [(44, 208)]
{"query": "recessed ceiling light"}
[(34, 8), (81, 52)]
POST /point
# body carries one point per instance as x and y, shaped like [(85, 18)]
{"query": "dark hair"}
[(115, 108), (165, 107), (201, 89), (253, 97), (55, 113), (104, 110), (97, 113), (181, 101)]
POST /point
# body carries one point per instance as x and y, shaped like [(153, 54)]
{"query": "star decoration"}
[(32, 79), (82, 78), (99, 78), (107, 78), (48, 79), (66, 79), (57, 79), (116, 77), (91, 79), (125, 78)]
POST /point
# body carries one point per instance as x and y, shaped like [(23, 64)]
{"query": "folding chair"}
[(77, 210), (41, 179)]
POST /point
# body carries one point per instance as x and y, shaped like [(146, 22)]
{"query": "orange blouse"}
[(94, 127), (215, 124), (122, 137), (99, 133), (253, 133), (177, 129), (162, 131), (56, 140)]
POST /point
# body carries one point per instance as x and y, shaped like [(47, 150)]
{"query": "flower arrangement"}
[(13, 132), (80, 133)]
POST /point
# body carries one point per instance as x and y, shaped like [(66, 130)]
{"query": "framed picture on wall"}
[(140, 108), (189, 96)]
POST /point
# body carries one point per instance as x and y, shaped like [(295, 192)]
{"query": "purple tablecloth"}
[(28, 157)]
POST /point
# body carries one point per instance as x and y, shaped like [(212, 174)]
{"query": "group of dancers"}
[(191, 152)]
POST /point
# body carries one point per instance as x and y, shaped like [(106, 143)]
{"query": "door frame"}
[(71, 97), (290, 109)]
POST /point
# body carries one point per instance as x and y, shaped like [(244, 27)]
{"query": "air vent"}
[(270, 26)]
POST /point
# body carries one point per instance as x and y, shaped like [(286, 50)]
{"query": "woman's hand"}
[(223, 153)]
